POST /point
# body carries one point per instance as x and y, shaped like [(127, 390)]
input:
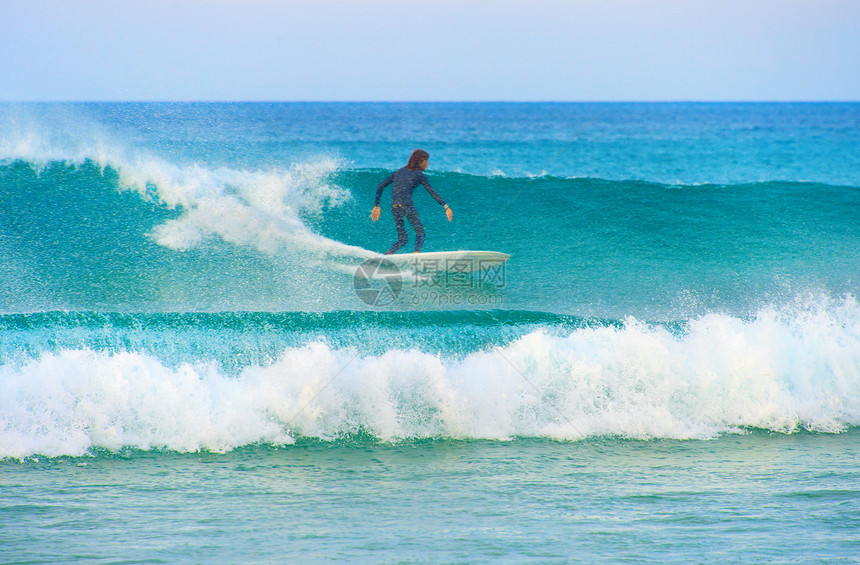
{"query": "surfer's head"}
[(418, 160)]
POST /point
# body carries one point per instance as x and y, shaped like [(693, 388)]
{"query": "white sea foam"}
[(721, 375), (262, 209)]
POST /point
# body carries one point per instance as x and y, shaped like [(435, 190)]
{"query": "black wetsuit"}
[(405, 181)]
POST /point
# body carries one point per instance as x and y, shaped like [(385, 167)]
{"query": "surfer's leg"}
[(402, 236), (412, 216)]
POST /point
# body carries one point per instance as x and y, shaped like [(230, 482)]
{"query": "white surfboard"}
[(450, 261)]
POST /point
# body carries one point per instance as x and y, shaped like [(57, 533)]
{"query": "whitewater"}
[(714, 375)]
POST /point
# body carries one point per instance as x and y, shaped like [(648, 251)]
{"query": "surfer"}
[(405, 181)]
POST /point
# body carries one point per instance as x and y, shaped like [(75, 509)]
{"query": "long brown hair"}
[(416, 158)]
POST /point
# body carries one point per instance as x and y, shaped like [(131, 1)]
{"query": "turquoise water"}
[(741, 498), (667, 369)]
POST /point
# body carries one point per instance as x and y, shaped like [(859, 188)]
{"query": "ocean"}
[(202, 361)]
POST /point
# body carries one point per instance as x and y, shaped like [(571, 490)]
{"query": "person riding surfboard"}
[(405, 180)]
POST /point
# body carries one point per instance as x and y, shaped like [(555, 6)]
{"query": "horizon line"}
[(463, 101)]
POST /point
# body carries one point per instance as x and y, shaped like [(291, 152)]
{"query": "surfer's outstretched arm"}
[(374, 214), (437, 198)]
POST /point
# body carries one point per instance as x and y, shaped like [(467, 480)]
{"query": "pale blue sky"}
[(430, 50)]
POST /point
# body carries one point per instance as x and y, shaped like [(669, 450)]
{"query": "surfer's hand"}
[(374, 214), (449, 213)]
